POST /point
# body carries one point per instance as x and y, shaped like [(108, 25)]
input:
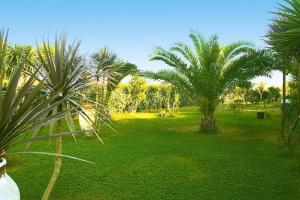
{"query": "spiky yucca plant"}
[(210, 71), (20, 105), (63, 70)]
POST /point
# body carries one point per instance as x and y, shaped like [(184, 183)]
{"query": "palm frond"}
[(170, 59), (234, 50), (186, 52), (169, 76), (246, 67), (284, 31)]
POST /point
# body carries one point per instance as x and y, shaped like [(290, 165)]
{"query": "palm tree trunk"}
[(296, 121), (208, 122), (283, 109), (58, 160), (99, 104), (106, 111), (291, 131)]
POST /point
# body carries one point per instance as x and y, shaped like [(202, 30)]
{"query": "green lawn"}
[(167, 158)]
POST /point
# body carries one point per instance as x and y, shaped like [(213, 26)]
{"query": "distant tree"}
[(166, 94), (274, 94), (210, 72), (242, 90), (236, 94), (261, 89), (239, 95), (253, 96), (118, 100), (153, 98), (137, 88)]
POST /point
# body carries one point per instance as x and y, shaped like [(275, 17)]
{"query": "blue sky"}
[(133, 28)]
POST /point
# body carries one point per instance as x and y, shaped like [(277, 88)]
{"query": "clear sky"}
[(133, 28)]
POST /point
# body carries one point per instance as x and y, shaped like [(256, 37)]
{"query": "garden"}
[(96, 126)]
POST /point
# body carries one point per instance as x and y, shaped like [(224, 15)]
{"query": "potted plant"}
[(86, 125)]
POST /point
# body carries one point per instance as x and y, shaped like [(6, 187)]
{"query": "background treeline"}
[(249, 94), (137, 95), (140, 96)]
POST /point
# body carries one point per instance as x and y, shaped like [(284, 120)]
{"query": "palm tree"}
[(284, 38), (209, 72), (63, 70), (109, 72)]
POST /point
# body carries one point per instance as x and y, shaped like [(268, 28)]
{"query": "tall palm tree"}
[(109, 72), (209, 72), (284, 37), (63, 70)]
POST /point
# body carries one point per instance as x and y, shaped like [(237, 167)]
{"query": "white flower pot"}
[(8, 188), (84, 123)]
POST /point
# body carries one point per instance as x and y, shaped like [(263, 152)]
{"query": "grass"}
[(167, 158)]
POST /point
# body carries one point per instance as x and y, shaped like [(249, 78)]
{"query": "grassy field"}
[(167, 158)]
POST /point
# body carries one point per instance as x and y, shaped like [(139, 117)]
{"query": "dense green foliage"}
[(165, 97), (155, 98), (167, 158), (160, 97), (137, 90)]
